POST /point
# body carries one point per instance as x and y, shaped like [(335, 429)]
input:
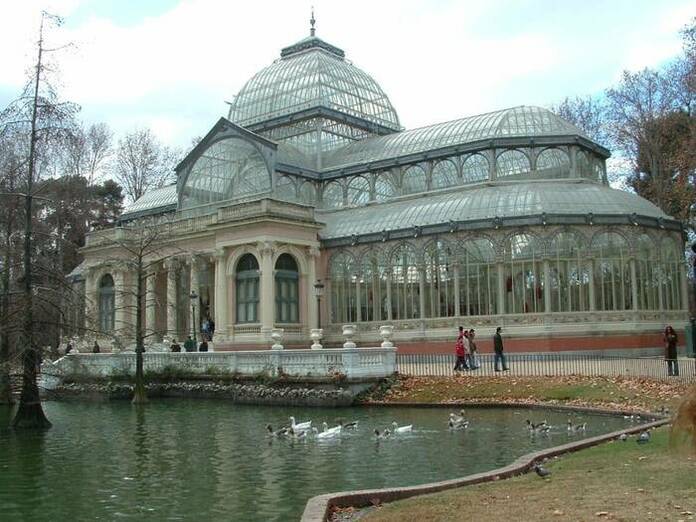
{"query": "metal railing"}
[(550, 364)]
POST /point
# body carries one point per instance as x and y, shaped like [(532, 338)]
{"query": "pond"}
[(212, 460)]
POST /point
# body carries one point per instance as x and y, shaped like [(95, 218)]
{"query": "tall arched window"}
[(106, 303), (647, 274), (524, 275), (372, 283), (413, 180), (553, 163), (344, 278), (358, 191), (569, 276), (247, 279), (475, 168), (444, 174), (405, 283), (612, 275), (512, 163), (287, 290), (307, 193), (439, 280), (478, 278), (584, 165), (670, 277), (285, 188)]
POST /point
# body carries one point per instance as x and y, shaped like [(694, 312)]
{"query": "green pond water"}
[(211, 460)]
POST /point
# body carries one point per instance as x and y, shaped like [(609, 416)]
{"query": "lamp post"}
[(194, 326), (318, 292)]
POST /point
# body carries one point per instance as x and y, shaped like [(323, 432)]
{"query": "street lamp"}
[(194, 326), (318, 292)]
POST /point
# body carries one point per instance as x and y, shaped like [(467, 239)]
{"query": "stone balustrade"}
[(353, 363)]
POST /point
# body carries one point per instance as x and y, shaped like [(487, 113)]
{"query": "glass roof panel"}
[(153, 199), (486, 202)]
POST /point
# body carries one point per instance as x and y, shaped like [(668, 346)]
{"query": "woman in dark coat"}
[(671, 340)]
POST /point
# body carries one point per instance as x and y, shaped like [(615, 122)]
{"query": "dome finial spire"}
[(312, 21)]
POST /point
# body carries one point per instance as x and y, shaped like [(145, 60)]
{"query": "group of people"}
[(466, 350), (189, 345)]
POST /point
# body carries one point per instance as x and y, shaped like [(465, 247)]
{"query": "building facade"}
[(310, 206)]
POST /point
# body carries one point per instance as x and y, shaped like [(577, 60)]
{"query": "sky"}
[(170, 65)]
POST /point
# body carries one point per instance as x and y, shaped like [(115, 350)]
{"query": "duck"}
[(623, 437), (576, 428), (402, 429), (457, 423), (301, 426), (385, 434), (541, 471), (457, 418), (349, 425), (542, 427), (326, 429), (281, 432), (327, 434), (643, 438)]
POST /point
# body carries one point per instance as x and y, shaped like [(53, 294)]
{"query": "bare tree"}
[(87, 151), (142, 163), (46, 122), (588, 114)]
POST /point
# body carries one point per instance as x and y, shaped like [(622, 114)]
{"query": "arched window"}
[(413, 180), (358, 191), (672, 270), (287, 290), (228, 169), (524, 275), (475, 168), (599, 174), (647, 274), (584, 165), (307, 193), (439, 280), (553, 163), (612, 275), (405, 283), (512, 163), (372, 284), (444, 174), (569, 275), (478, 278), (247, 279), (285, 188), (344, 278), (106, 303), (384, 187), (333, 195)]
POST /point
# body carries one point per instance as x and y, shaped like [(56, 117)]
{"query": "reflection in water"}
[(197, 460)]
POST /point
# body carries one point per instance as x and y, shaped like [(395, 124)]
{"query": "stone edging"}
[(317, 508)]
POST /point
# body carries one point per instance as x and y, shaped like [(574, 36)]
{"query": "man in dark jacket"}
[(189, 345), (498, 347)]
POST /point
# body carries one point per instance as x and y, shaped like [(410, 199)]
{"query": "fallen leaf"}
[(601, 513)]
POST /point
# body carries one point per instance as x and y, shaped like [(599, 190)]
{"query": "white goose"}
[(401, 429), (326, 434), (336, 429), (302, 426)]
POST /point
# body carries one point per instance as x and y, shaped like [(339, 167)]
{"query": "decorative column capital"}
[(220, 254), (171, 264), (313, 252), (266, 248)]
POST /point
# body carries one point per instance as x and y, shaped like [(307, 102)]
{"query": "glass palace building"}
[(498, 219)]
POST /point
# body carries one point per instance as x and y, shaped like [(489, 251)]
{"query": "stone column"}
[(591, 286), (91, 305), (501, 288), (195, 287), (457, 306), (389, 297), (172, 307), (572, 153), (221, 290), (358, 306), (421, 291), (312, 256), (120, 315), (150, 303), (267, 303), (547, 287), (634, 284), (684, 290)]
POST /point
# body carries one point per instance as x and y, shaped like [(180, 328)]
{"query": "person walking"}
[(671, 340), (498, 348), (460, 363), (212, 329), (189, 345), (473, 360), (206, 329), (68, 348)]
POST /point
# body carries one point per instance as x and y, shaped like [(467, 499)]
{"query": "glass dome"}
[(311, 74)]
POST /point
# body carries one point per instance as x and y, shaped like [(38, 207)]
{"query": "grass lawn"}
[(614, 393), (613, 481)]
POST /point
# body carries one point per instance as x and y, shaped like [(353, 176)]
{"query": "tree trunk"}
[(139, 393), (5, 387), (30, 414)]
